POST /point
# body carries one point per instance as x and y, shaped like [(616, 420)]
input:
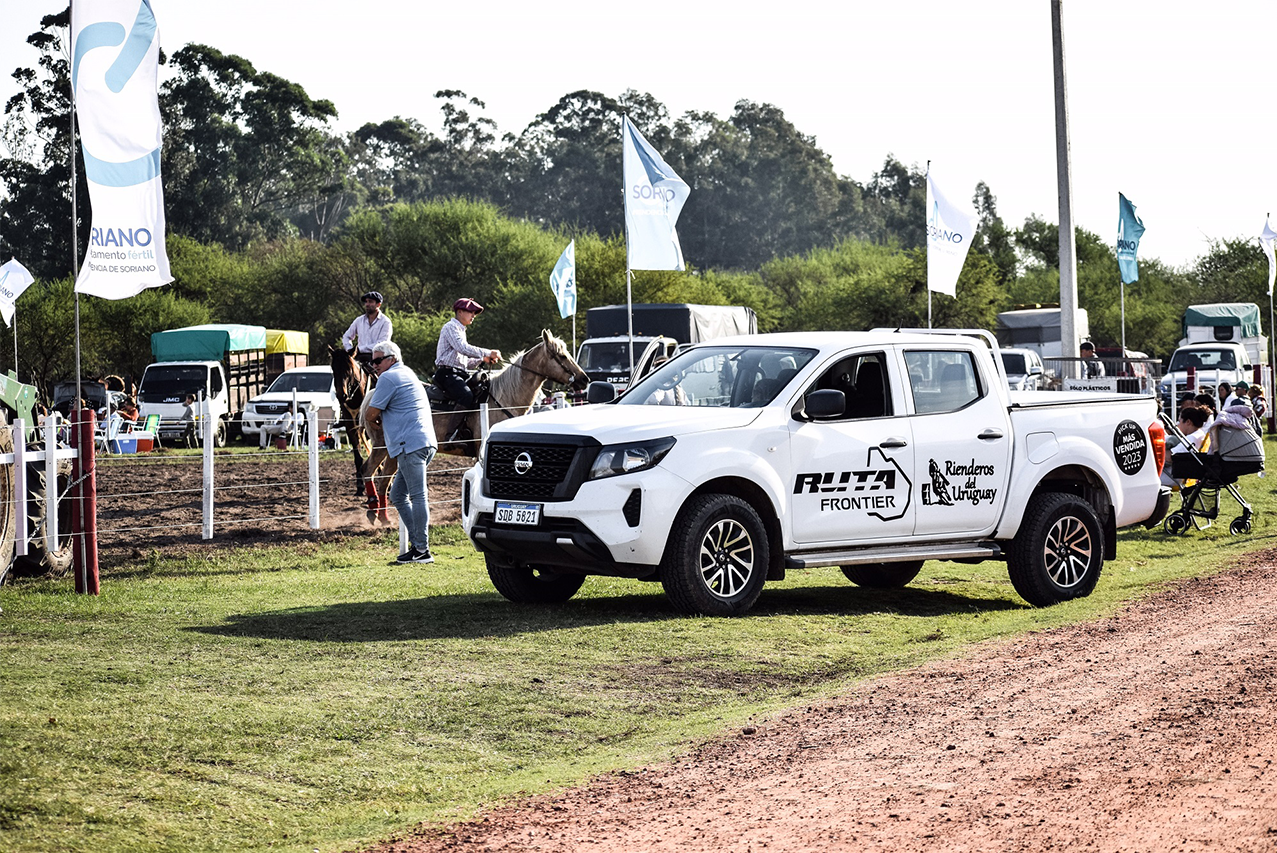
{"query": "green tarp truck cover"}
[(206, 343), (1244, 314)]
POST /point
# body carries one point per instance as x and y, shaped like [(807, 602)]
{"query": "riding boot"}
[(457, 429)]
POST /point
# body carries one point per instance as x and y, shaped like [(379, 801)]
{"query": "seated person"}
[(128, 411), (1192, 421), (282, 426)]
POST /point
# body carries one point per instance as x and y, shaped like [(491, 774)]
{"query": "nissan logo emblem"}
[(523, 463)]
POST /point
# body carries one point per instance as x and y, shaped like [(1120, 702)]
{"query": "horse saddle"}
[(479, 385)]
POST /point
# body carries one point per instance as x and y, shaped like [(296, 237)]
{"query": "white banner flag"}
[(949, 233), (1266, 238), (654, 197), (115, 48), (563, 281), (14, 280)]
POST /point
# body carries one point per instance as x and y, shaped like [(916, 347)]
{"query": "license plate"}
[(511, 513)]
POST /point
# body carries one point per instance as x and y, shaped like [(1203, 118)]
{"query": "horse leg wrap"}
[(373, 499)]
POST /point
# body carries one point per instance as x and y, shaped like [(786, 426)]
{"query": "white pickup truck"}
[(872, 451)]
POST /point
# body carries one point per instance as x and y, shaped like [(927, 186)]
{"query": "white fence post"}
[(483, 427), (51, 480), (20, 486), (210, 430), (312, 452)]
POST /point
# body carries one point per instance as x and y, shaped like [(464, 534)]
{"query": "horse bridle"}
[(554, 355)]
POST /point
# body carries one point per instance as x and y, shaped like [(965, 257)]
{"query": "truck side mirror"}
[(1035, 370), (829, 403), (600, 392)]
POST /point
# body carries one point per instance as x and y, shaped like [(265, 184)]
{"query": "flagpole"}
[(1123, 289)]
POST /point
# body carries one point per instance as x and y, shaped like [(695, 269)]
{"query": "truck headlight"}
[(627, 458)]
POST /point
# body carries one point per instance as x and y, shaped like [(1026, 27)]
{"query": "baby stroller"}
[(1235, 450)]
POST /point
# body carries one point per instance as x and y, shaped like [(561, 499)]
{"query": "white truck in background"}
[(659, 329), (1222, 342), (746, 457)]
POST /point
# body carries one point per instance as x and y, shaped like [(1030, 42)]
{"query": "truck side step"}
[(894, 554)]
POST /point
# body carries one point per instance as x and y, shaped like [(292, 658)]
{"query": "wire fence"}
[(162, 490)]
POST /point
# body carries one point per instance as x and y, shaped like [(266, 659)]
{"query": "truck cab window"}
[(942, 381), (863, 380)]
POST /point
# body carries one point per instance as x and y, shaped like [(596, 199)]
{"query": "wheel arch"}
[(1085, 483), (758, 498)]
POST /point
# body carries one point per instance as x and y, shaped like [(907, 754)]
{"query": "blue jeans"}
[(408, 494)]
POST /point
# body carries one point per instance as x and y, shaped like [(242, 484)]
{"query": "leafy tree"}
[(35, 176), (992, 238), (243, 148)]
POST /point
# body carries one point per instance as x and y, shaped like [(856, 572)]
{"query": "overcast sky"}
[(1169, 101)]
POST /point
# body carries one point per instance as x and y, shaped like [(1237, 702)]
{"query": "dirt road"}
[(1150, 731)]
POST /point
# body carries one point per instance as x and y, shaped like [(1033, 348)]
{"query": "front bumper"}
[(614, 526)]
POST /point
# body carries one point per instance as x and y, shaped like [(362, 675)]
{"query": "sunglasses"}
[(379, 359)]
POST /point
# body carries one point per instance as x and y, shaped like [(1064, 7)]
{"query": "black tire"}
[(526, 584), (883, 575), (220, 433), (1239, 527), (716, 560), (45, 556), (1059, 551), (8, 518), (1175, 524)]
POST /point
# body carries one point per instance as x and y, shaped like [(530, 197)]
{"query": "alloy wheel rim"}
[(1068, 552), (726, 558)]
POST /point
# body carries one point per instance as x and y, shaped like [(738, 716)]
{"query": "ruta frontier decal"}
[(964, 487), (880, 489)]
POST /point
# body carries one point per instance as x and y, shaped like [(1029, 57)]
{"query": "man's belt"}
[(451, 369)]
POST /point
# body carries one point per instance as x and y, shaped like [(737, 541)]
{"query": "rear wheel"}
[(45, 556), (716, 560), (528, 584), (1059, 551), (883, 575)]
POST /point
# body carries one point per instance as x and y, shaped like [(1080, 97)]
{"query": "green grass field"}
[(319, 698)]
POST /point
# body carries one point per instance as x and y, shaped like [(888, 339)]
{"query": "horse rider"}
[(453, 360), (369, 328)]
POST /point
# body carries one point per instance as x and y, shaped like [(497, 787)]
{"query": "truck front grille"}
[(531, 471), (271, 408)]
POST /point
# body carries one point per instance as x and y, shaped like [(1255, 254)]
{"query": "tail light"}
[(1157, 435)]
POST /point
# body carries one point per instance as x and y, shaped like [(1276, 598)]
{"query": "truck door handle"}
[(893, 442), (990, 434)]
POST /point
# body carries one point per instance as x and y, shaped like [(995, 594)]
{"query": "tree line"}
[(277, 220)]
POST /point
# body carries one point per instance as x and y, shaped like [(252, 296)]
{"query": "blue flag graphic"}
[(1129, 230), (563, 281)]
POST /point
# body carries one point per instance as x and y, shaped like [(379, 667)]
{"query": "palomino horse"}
[(511, 393)]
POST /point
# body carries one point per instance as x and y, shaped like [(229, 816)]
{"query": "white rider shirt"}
[(369, 332)]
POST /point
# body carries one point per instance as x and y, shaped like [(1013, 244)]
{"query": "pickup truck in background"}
[(747, 457)]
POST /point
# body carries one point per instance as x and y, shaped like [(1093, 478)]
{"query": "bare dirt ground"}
[(154, 502), (1150, 731)]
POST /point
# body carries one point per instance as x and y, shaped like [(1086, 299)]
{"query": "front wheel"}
[(1059, 551), (883, 575), (526, 584), (716, 561)]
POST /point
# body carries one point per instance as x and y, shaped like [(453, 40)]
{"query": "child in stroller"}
[(1231, 450)]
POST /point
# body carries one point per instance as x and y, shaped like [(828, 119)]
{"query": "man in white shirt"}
[(369, 328)]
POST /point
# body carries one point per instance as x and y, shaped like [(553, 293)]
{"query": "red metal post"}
[(84, 507)]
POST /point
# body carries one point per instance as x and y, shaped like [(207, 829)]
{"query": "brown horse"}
[(352, 386), (511, 393)]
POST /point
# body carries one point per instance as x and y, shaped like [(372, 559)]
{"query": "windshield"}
[(314, 382), (1203, 359), (611, 357), (1014, 363), (162, 384), (722, 377)]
